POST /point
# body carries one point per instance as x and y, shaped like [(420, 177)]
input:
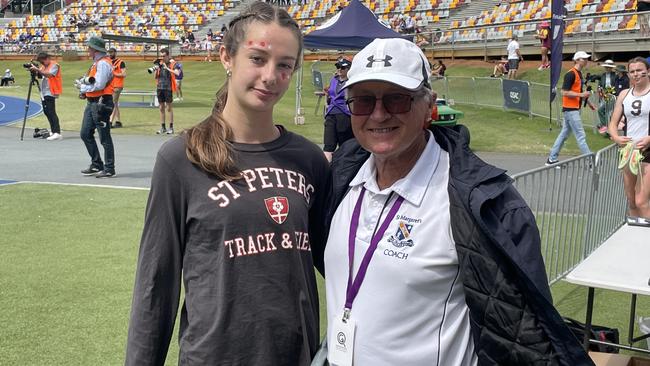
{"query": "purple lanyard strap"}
[(354, 285)]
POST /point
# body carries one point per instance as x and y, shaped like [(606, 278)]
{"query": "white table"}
[(622, 264)]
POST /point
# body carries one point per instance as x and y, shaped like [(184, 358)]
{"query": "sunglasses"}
[(393, 103)]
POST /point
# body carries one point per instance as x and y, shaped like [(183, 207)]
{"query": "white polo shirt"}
[(410, 309)]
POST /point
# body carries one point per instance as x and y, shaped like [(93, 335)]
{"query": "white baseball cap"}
[(392, 60), (580, 55)]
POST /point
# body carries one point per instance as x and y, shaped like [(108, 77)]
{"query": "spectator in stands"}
[(207, 46), (179, 81), (644, 27), (420, 40), (7, 78), (409, 24), (500, 68), (190, 36), (622, 81), (337, 127), (544, 36), (223, 30), (97, 115), (210, 34), (51, 88), (234, 176), (514, 57), (606, 94), (165, 87), (119, 74), (438, 69), (452, 273), (572, 101)]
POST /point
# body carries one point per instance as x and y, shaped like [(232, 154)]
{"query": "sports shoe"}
[(602, 130), (170, 131), (117, 124), (162, 131), (541, 67), (549, 162), (105, 174), (177, 99), (91, 170), (637, 221), (55, 136)]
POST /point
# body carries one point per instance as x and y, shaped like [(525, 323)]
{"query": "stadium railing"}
[(578, 204), (472, 90)]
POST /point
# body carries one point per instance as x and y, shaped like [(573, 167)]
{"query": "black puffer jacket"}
[(512, 317)]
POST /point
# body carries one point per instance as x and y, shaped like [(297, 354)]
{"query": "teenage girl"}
[(234, 212), (634, 104)]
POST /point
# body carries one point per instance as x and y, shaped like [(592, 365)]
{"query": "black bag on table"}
[(598, 332)]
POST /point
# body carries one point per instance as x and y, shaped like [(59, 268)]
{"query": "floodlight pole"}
[(299, 117)]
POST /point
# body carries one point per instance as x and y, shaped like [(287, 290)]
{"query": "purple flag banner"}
[(557, 32)]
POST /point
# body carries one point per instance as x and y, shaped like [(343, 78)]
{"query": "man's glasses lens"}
[(393, 103)]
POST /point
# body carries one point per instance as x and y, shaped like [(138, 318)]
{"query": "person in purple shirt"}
[(337, 115)]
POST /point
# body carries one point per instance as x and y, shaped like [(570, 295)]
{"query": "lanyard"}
[(354, 285)]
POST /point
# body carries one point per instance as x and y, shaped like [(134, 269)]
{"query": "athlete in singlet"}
[(634, 104)]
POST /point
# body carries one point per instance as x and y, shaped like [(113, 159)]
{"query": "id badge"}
[(341, 344)]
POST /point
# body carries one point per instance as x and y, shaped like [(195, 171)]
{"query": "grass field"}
[(67, 271), (492, 129)]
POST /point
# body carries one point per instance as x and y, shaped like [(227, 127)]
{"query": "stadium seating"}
[(522, 17), (150, 18), (426, 12)]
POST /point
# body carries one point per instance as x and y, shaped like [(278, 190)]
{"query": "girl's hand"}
[(621, 140), (644, 143)]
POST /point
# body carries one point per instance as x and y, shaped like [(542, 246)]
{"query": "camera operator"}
[(165, 74), (99, 97), (51, 88), (606, 94), (119, 74)]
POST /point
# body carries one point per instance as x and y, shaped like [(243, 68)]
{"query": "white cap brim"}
[(402, 81)]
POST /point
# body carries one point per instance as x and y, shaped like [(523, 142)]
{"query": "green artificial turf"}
[(67, 268)]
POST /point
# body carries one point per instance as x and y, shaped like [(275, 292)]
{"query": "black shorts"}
[(646, 156), (513, 63), (165, 96), (337, 131)]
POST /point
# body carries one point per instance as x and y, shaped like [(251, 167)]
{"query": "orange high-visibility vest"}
[(118, 81), (573, 102), (56, 82), (108, 89)]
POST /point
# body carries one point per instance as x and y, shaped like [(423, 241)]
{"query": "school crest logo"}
[(278, 208), (402, 238)]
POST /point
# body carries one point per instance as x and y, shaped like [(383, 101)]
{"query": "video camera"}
[(156, 65), (28, 67)]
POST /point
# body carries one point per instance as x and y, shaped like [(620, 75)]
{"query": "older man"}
[(99, 106), (432, 256)]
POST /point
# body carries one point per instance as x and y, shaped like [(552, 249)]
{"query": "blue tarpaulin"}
[(352, 28)]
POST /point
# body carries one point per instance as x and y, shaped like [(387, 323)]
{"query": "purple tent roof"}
[(355, 27)]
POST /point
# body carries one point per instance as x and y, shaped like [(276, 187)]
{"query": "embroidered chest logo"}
[(278, 208), (402, 237), (385, 60)]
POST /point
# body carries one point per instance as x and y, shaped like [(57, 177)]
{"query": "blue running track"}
[(12, 109)]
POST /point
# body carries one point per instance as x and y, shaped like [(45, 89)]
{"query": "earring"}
[(228, 72)]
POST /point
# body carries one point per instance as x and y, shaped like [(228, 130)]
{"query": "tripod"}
[(33, 81)]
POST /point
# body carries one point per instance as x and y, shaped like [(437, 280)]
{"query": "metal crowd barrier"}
[(578, 204), (487, 92)]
